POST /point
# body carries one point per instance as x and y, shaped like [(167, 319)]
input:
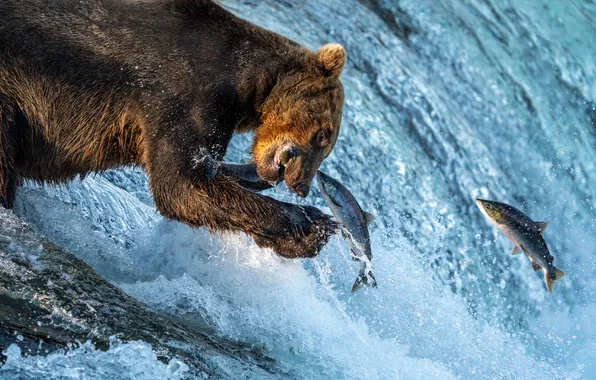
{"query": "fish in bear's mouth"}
[(248, 175)]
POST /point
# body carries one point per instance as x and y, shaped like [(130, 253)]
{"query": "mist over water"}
[(445, 102)]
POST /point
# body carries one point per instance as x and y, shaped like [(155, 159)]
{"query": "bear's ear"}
[(333, 58)]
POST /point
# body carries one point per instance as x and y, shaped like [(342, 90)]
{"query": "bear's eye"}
[(323, 137)]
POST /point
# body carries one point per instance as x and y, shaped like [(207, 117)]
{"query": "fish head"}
[(494, 211), (327, 185)]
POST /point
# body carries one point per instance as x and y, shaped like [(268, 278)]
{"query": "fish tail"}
[(364, 279), (550, 278), (210, 167)]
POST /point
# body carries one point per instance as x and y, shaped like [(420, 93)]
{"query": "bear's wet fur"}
[(94, 85)]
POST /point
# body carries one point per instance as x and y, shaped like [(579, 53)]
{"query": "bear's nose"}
[(302, 190)]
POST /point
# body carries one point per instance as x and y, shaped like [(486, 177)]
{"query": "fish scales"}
[(354, 223)]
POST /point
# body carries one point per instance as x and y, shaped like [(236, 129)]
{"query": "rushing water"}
[(446, 101)]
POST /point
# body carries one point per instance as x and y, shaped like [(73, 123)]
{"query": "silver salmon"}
[(243, 174), (526, 236), (354, 223)]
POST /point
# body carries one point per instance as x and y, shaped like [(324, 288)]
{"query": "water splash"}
[(133, 360), (446, 101)]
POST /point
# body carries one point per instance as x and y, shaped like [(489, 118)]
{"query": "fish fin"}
[(550, 282), (541, 226), (372, 282), (354, 254), (357, 285), (210, 165), (535, 266), (369, 217), (344, 234), (211, 171), (361, 280), (516, 250)]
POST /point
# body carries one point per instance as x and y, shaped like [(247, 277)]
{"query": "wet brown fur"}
[(89, 86), (304, 110)]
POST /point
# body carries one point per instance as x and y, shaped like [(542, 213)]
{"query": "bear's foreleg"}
[(8, 189), (222, 205), (8, 177)]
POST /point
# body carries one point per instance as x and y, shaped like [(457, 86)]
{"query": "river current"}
[(446, 101)]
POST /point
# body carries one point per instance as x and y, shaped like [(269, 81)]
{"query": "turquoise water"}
[(446, 101)]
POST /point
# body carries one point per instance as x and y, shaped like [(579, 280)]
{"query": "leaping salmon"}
[(526, 236), (354, 223)]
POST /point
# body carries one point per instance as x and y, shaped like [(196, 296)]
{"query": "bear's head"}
[(300, 120)]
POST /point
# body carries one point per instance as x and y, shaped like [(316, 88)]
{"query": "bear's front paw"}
[(307, 231)]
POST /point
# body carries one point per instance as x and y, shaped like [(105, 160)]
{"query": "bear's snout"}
[(298, 175), (302, 190)]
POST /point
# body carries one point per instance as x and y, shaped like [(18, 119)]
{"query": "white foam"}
[(307, 318), (133, 360)]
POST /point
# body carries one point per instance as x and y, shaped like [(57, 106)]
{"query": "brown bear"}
[(86, 86)]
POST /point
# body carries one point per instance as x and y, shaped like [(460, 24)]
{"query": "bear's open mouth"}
[(287, 163), (284, 155), (282, 164), (281, 172)]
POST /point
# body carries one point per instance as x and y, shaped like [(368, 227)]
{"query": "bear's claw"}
[(308, 234)]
